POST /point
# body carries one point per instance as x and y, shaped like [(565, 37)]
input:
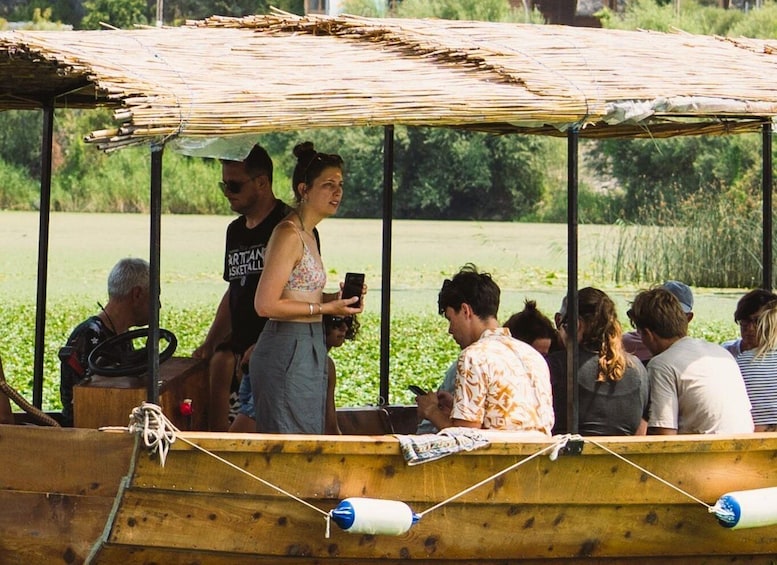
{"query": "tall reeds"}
[(713, 242)]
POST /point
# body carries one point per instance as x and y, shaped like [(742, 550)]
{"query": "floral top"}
[(503, 383), (308, 275)]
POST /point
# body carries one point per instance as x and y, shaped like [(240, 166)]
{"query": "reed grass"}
[(717, 244)]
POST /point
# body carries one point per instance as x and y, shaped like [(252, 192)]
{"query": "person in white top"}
[(695, 386)]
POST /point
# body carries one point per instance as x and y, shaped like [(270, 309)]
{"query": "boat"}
[(117, 489), (106, 499)]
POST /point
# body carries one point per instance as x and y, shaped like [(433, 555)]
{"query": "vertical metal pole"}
[(572, 222), (385, 295), (154, 266), (768, 277), (47, 142)]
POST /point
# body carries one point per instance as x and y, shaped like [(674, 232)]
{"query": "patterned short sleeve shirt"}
[(503, 383)]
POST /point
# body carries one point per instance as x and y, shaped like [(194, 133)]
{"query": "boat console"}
[(183, 396)]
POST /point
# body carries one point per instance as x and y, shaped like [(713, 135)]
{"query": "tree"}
[(20, 133), (178, 11), (452, 174), (659, 176), (117, 13), (478, 10)]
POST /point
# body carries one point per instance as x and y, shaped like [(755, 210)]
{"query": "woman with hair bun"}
[(612, 384), (288, 367)]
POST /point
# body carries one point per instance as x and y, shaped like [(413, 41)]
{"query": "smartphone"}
[(354, 282), (417, 390)]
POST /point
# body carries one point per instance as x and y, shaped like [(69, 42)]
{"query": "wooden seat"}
[(377, 420), (364, 420)]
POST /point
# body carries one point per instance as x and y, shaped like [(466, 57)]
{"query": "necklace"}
[(113, 328)]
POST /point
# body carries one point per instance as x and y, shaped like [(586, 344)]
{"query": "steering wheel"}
[(118, 357)]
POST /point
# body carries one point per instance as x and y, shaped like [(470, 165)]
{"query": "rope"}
[(21, 402), (656, 477), (159, 433), (152, 425), (555, 448)]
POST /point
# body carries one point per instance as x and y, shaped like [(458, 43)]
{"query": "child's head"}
[(339, 328)]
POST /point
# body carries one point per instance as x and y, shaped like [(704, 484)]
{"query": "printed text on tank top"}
[(308, 275)]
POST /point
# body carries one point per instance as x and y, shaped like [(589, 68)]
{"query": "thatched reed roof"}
[(225, 77)]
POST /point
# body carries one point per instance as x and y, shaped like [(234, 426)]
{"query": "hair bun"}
[(304, 151)]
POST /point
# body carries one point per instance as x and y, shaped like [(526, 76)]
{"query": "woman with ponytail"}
[(612, 384)]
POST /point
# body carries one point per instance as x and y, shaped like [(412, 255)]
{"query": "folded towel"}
[(417, 449)]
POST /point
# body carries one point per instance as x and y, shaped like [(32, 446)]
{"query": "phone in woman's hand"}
[(417, 390), (353, 285)]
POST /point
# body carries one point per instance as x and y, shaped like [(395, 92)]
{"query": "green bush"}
[(17, 190)]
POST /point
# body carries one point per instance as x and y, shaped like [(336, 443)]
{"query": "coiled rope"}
[(158, 433)]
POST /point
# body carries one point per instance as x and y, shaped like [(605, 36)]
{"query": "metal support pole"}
[(572, 315), (43, 252), (768, 277), (157, 152), (385, 296)]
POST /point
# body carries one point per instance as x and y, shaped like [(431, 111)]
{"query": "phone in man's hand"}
[(354, 282), (417, 390)]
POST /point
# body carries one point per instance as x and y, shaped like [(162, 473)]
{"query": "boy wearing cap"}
[(695, 386), (632, 341)]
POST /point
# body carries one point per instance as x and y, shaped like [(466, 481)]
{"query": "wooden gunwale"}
[(591, 506)]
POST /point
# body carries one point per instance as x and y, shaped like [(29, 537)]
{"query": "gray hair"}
[(126, 275)]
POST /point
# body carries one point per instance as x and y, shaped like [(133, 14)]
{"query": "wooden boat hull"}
[(70, 496), (592, 506), (57, 489)]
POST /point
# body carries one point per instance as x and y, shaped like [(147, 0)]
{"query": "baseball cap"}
[(682, 292)]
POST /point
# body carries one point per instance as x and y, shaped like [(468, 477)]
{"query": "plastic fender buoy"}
[(747, 508), (373, 516)]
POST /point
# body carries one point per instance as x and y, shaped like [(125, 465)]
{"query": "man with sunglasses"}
[(247, 185)]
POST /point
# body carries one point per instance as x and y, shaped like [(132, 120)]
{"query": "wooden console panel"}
[(108, 401)]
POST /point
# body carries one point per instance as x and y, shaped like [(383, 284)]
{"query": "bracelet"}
[(310, 304), (319, 308)]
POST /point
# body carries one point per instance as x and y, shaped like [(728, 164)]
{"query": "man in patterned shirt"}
[(127, 307), (501, 382)]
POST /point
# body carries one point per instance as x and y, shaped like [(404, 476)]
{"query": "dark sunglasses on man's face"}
[(233, 186)]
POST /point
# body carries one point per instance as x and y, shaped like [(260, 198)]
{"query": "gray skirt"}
[(288, 374)]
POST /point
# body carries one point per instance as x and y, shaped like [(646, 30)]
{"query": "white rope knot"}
[(157, 431), (563, 440)]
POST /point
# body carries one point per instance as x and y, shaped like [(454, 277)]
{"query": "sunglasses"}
[(233, 186), (327, 159), (336, 321)]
